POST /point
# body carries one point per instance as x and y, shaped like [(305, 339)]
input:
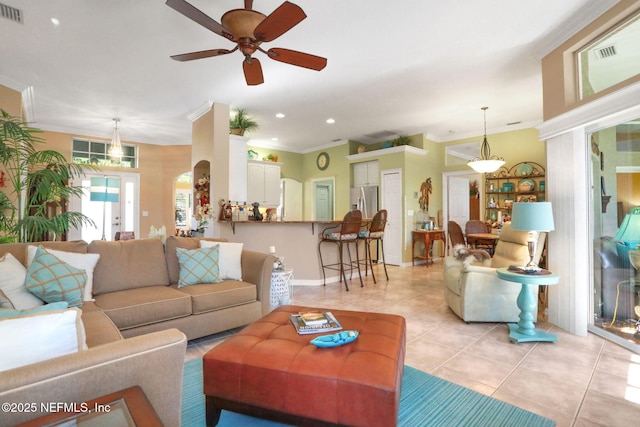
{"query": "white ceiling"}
[(402, 67)]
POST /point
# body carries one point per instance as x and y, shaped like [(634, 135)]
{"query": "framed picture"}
[(527, 198)]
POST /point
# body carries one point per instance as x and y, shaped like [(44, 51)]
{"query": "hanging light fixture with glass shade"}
[(486, 162), (115, 150)]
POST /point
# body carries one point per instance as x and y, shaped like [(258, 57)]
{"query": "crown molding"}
[(583, 17)]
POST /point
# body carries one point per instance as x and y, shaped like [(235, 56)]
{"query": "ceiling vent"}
[(11, 13), (606, 52)]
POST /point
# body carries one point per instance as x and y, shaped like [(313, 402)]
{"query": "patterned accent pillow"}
[(53, 280), (12, 278), (198, 266)]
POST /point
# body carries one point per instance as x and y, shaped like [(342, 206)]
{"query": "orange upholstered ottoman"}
[(270, 371)]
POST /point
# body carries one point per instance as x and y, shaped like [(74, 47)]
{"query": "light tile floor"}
[(578, 381)]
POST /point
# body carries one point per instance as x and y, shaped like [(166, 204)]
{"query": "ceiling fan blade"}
[(281, 20), (252, 71), (300, 59), (248, 4), (198, 16), (200, 54)]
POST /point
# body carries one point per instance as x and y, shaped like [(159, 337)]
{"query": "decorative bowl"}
[(526, 185)]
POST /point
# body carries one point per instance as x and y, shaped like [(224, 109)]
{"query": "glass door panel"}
[(615, 184)]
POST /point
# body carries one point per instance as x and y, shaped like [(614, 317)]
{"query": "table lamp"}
[(533, 217), (628, 235)]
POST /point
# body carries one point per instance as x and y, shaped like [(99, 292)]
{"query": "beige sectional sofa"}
[(138, 325)]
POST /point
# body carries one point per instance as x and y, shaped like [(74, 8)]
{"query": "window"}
[(86, 152), (611, 59)]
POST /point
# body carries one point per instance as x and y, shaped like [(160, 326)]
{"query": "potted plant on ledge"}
[(241, 122)]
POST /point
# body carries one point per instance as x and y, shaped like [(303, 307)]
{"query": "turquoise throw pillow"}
[(10, 312), (53, 280), (198, 266)]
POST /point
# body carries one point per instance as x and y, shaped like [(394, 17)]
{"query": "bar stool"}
[(374, 233), (342, 234)]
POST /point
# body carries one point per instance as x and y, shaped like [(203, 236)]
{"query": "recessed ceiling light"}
[(280, 115), (331, 121), (274, 139), (55, 21)]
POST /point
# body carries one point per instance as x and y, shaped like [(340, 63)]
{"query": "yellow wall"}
[(159, 166)]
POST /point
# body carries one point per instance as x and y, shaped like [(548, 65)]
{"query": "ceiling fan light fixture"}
[(486, 163), (115, 150)]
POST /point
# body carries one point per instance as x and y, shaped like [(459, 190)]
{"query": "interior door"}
[(458, 200), (114, 213), (323, 201), (391, 200)]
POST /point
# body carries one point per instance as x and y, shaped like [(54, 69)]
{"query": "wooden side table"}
[(524, 330), (128, 407), (428, 237)]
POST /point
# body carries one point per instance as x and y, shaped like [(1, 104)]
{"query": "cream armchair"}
[(476, 294)]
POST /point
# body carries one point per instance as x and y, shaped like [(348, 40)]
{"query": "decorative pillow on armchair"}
[(51, 279)]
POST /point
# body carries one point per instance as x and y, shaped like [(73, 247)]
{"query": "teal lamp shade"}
[(628, 236), (535, 216)]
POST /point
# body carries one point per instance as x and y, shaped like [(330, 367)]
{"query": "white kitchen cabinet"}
[(237, 169), (263, 183), (365, 174)]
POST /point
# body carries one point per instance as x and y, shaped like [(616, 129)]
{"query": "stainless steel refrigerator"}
[(365, 199)]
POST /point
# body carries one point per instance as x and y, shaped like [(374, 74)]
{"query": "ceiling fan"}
[(248, 29)]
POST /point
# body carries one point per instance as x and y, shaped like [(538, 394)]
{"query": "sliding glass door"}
[(615, 225)]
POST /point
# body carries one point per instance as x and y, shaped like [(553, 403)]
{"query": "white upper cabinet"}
[(365, 174), (263, 183), (237, 169)]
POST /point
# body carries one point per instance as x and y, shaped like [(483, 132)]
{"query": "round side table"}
[(525, 330)]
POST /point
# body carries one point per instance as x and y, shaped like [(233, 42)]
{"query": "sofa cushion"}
[(198, 266), (52, 279), (19, 250), (83, 261), (144, 306), (36, 337), (230, 258), (128, 264), (99, 328), (174, 242), (210, 297), (12, 283)]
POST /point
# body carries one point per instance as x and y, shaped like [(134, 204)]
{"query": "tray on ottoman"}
[(269, 371)]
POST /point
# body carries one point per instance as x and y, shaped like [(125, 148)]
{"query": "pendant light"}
[(115, 151), (486, 162)]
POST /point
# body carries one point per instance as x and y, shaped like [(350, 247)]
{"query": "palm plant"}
[(38, 181), (242, 122)]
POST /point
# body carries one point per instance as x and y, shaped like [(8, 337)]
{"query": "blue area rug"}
[(425, 401)]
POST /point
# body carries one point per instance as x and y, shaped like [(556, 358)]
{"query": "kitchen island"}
[(296, 241)]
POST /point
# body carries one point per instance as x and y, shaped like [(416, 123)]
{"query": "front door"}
[(111, 201)]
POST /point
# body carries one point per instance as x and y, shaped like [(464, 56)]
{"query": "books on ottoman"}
[(331, 324)]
